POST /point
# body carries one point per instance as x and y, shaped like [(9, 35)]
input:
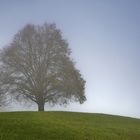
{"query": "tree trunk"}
[(41, 106)]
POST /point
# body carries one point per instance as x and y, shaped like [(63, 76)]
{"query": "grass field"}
[(67, 126)]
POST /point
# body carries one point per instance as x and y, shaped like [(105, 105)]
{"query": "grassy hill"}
[(67, 126)]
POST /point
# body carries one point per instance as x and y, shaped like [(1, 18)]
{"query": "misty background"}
[(104, 36)]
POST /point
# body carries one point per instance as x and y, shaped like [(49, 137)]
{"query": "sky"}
[(104, 36)]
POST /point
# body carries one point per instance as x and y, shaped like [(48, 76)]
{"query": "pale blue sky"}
[(104, 36)]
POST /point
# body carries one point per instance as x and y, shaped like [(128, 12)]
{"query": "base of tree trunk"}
[(41, 107)]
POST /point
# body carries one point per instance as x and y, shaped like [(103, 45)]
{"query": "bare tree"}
[(41, 68)]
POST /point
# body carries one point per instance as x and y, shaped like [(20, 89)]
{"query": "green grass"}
[(67, 126)]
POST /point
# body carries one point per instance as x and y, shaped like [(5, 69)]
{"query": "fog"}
[(104, 39)]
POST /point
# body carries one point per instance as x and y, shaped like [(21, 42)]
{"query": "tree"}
[(41, 67)]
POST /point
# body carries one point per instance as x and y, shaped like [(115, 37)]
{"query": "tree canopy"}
[(40, 68)]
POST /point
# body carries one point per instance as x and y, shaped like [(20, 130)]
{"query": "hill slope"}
[(67, 126)]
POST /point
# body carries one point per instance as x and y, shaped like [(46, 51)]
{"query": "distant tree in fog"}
[(40, 67)]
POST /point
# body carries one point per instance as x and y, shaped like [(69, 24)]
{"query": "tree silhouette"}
[(41, 69)]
